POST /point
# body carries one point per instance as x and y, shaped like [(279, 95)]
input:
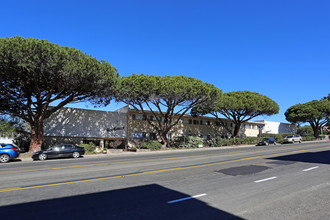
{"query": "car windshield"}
[(265, 139), (289, 136)]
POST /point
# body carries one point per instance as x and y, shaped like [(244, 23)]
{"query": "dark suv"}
[(267, 141)]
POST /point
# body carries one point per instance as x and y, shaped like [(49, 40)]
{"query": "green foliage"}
[(35, 74), (239, 107), (305, 131), (170, 96), (250, 104), (7, 128), (316, 113), (89, 148), (309, 138), (219, 142), (152, 145), (186, 142)]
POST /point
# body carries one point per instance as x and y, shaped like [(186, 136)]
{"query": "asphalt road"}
[(289, 181)]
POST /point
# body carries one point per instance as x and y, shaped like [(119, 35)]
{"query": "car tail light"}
[(14, 148)]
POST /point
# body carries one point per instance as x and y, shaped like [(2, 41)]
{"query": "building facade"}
[(126, 127), (271, 127)]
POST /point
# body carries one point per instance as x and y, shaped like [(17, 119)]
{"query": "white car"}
[(292, 139)]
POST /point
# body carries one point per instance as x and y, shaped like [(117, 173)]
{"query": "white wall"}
[(277, 127), (6, 140)]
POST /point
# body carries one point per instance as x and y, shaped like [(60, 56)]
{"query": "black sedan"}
[(267, 141), (63, 150)]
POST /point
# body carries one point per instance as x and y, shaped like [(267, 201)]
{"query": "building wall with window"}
[(205, 127), (103, 128)]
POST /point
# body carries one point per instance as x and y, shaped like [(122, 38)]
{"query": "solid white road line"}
[(270, 178), (312, 168), (192, 197)]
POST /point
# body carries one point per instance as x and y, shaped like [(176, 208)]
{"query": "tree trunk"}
[(164, 139), (37, 136), (236, 129), (315, 130)]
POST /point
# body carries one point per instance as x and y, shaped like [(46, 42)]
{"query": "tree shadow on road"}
[(322, 157), (142, 202)]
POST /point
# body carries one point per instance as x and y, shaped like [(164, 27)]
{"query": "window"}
[(247, 126), (203, 122), (169, 135), (139, 135), (152, 136), (217, 124), (195, 122), (206, 137), (66, 147), (186, 121), (138, 117)]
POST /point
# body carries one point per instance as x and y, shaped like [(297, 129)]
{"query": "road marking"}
[(312, 168), (270, 178), (150, 160), (187, 198), (149, 172)]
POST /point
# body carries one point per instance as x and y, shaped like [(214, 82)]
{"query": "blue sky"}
[(280, 48)]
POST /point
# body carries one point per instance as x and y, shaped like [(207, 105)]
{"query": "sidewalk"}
[(25, 157)]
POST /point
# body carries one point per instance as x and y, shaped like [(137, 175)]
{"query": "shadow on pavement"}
[(143, 202), (309, 157)]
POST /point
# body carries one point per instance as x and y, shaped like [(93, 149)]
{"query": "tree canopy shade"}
[(167, 98), (316, 113), (36, 74), (239, 107)]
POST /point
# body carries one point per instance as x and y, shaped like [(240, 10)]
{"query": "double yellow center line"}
[(152, 171)]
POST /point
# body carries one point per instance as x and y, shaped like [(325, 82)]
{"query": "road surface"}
[(290, 181)]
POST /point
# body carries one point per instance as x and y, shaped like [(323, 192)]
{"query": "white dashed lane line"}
[(312, 168), (183, 199), (263, 180)]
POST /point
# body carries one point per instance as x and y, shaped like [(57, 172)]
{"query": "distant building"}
[(7, 140), (271, 127)]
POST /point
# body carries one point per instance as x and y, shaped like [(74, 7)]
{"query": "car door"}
[(68, 150), (54, 151)]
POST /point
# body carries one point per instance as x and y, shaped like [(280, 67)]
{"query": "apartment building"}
[(125, 127)]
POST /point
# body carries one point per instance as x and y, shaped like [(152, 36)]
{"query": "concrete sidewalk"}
[(167, 151)]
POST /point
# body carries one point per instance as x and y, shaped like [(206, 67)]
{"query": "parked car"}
[(292, 139), (8, 152), (57, 151), (267, 141)]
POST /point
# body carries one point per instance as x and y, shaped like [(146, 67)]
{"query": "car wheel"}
[(42, 157), (76, 154), (274, 143), (266, 143), (4, 158), (300, 141)]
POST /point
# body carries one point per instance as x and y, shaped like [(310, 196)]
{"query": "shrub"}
[(219, 142), (309, 138), (89, 148), (186, 142), (152, 145)]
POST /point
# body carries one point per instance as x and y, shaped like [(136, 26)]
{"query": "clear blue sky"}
[(279, 48)]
